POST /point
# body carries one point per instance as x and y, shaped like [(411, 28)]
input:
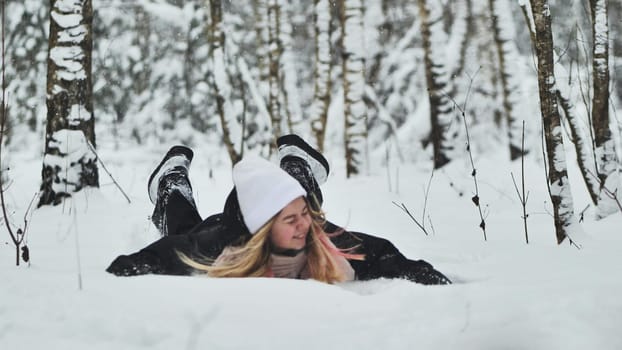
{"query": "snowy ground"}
[(507, 294)]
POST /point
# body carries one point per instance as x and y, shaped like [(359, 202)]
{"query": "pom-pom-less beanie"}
[(263, 190)]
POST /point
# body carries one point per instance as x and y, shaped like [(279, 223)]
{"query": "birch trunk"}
[(261, 32), (507, 53), (458, 38), (355, 111), (604, 144), (68, 163), (289, 78), (566, 94), (437, 78), (559, 186), (274, 56), (220, 81), (322, 71)]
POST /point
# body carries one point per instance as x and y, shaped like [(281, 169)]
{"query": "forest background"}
[(441, 120), (374, 81)]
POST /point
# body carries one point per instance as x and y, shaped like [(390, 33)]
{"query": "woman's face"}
[(291, 226)]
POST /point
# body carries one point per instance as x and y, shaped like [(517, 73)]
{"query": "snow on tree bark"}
[(437, 78), (321, 72), (353, 62), (604, 144), (68, 163), (577, 118), (559, 186), (289, 77), (458, 37), (261, 32), (509, 58), (274, 57), (232, 131)]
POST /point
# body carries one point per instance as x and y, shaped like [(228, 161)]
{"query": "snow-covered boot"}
[(171, 175), (305, 164), (293, 145)]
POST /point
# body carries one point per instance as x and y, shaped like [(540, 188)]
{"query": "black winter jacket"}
[(208, 239)]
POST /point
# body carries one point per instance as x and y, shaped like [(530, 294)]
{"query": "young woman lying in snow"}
[(272, 226)]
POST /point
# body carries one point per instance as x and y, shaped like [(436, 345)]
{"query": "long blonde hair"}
[(252, 259)]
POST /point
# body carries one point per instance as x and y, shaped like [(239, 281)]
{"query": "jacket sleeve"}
[(206, 241), (160, 257), (382, 258)]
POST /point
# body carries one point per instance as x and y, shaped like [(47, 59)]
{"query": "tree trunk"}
[(559, 186), (355, 111), (140, 67), (509, 58), (437, 78), (68, 163), (322, 71), (261, 33), (461, 30), (289, 78), (274, 57), (232, 133), (604, 144), (566, 93)]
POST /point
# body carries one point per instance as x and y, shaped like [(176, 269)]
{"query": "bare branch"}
[(106, 170), (403, 207)]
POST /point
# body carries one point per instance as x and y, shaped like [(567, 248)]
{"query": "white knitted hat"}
[(263, 190)]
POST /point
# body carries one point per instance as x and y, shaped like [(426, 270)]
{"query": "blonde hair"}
[(252, 259)]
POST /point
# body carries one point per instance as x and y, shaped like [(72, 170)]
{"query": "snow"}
[(66, 20), (506, 295), (68, 58)]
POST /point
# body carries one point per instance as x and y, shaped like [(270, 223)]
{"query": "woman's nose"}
[(300, 222)]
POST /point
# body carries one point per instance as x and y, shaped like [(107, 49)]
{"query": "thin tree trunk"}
[(261, 33), (232, 133), (322, 71), (604, 144), (141, 39), (507, 53), (461, 29), (355, 111), (274, 56), (289, 78), (566, 93), (437, 78), (384, 30), (559, 186), (68, 163)]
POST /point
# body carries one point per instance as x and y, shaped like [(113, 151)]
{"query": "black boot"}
[(170, 177), (294, 145), (305, 164)]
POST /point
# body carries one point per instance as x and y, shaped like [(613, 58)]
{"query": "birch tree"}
[(274, 56), (458, 36), (509, 58), (321, 71), (68, 163), (289, 76), (437, 79), (220, 81), (353, 66), (260, 13), (604, 144), (559, 186), (567, 92)]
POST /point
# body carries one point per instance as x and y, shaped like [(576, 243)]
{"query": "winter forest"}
[(463, 130)]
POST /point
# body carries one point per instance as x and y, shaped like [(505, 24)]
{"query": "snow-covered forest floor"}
[(506, 295)]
